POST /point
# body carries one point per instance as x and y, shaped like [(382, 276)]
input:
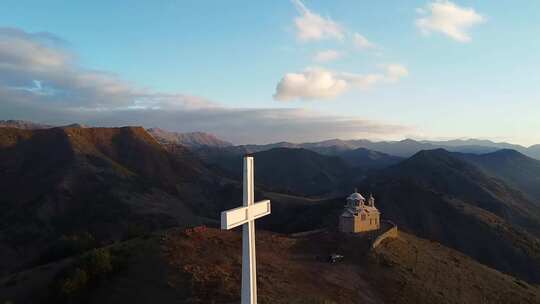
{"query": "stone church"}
[(359, 215)]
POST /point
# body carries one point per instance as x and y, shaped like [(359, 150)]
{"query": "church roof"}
[(356, 196)]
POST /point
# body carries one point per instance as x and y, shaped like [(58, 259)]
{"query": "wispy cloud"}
[(395, 72), (362, 43), (36, 64), (40, 80), (327, 56), (318, 83), (311, 26), (449, 19)]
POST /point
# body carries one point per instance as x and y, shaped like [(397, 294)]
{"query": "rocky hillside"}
[(439, 196), (514, 168), (66, 183), (72, 189), (289, 170), (300, 171), (203, 266)]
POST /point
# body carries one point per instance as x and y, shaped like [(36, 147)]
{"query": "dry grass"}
[(203, 265)]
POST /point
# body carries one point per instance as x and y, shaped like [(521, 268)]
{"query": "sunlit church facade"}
[(359, 214)]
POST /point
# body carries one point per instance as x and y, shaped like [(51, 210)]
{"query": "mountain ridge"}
[(106, 181), (516, 169), (402, 148), (190, 139), (437, 195)]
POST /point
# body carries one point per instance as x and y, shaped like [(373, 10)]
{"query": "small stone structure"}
[(390, 233), (359, 215)]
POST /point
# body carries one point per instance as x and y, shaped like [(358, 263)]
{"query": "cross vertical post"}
[(249, 263), (245, 216)]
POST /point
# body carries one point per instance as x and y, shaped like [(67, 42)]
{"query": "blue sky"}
[(349, 69)]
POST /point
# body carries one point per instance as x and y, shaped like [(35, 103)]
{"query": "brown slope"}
[(134, 149), (445, 172), (110, 182), (414, 270), (404, 270), (61, 153), (441, 197), (514, 168), (204, 266)]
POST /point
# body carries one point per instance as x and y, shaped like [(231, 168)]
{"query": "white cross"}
[(246, 216)]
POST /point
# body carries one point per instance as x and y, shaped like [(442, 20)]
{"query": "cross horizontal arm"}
[(241, 215)]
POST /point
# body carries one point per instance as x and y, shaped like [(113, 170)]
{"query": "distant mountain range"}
[(364, 158), (403, 148)]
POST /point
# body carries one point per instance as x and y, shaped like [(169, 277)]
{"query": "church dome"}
[(356, 196)]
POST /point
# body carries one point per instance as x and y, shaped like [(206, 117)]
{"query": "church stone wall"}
[(370, 223), (356, 224), (346, 224)]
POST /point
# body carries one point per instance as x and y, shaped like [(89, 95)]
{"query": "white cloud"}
[(361, 42), (41, 81), (448, 18), (311, 26), (317, 83), (327, 56), (310, 84), (395, 72), (361, 81)]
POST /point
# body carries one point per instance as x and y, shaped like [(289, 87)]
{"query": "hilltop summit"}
[(190, 139), (23, 124)]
